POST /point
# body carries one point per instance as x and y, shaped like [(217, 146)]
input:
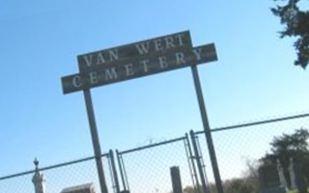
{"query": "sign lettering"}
[(138, 67), (169, 43)]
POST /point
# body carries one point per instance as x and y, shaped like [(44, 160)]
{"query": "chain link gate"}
[(149, 172)]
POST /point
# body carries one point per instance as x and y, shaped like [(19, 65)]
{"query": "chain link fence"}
[(240, 147), (147, 169), (58, 177)]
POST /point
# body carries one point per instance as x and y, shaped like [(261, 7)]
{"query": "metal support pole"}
[(95, 140), (115, 176), (198, 161), (206, 126)]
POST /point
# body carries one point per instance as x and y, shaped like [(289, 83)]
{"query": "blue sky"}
[(253, 79)]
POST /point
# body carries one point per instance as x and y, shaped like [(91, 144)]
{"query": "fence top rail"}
[(257, 123), (151, 145), (50, 167)]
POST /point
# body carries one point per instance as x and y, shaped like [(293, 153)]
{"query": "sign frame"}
[(130, 69)]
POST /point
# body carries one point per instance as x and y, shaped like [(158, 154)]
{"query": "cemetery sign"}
[(97, 74)]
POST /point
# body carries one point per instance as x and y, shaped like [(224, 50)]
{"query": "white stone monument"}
[(281, 174), (292, 174)]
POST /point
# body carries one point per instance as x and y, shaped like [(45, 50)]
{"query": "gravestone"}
[(270, 180), (292, 174), (282, 178), (300, 181), (84, 188), (176, 179)]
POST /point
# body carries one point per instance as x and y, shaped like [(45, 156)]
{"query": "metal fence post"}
[(198, 161), (114, 171), (121, 171), (191, 158)]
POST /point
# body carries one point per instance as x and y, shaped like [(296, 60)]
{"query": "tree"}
[(235, 185), (251, 174), (290, 146), (189, 189), (296, 24), (239, 185), (247, 183)]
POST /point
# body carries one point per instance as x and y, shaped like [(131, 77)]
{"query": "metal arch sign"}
[(127, 69), (136, 60)]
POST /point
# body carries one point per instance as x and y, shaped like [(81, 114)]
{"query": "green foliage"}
[(296, 24), (290, 146), (189, 189), (292, 191), (246, 184), (239, 185)]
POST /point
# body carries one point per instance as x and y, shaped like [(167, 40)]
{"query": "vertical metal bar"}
[(125, 172), (202, 161), (189, 163), (95, 140), (206, 126), (115, 176), (111, 172), (121, 170), (197, 183), (198, 161)]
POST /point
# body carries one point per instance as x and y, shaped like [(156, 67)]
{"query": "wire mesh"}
[(239, 150), (58, 177), (148, 169)]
